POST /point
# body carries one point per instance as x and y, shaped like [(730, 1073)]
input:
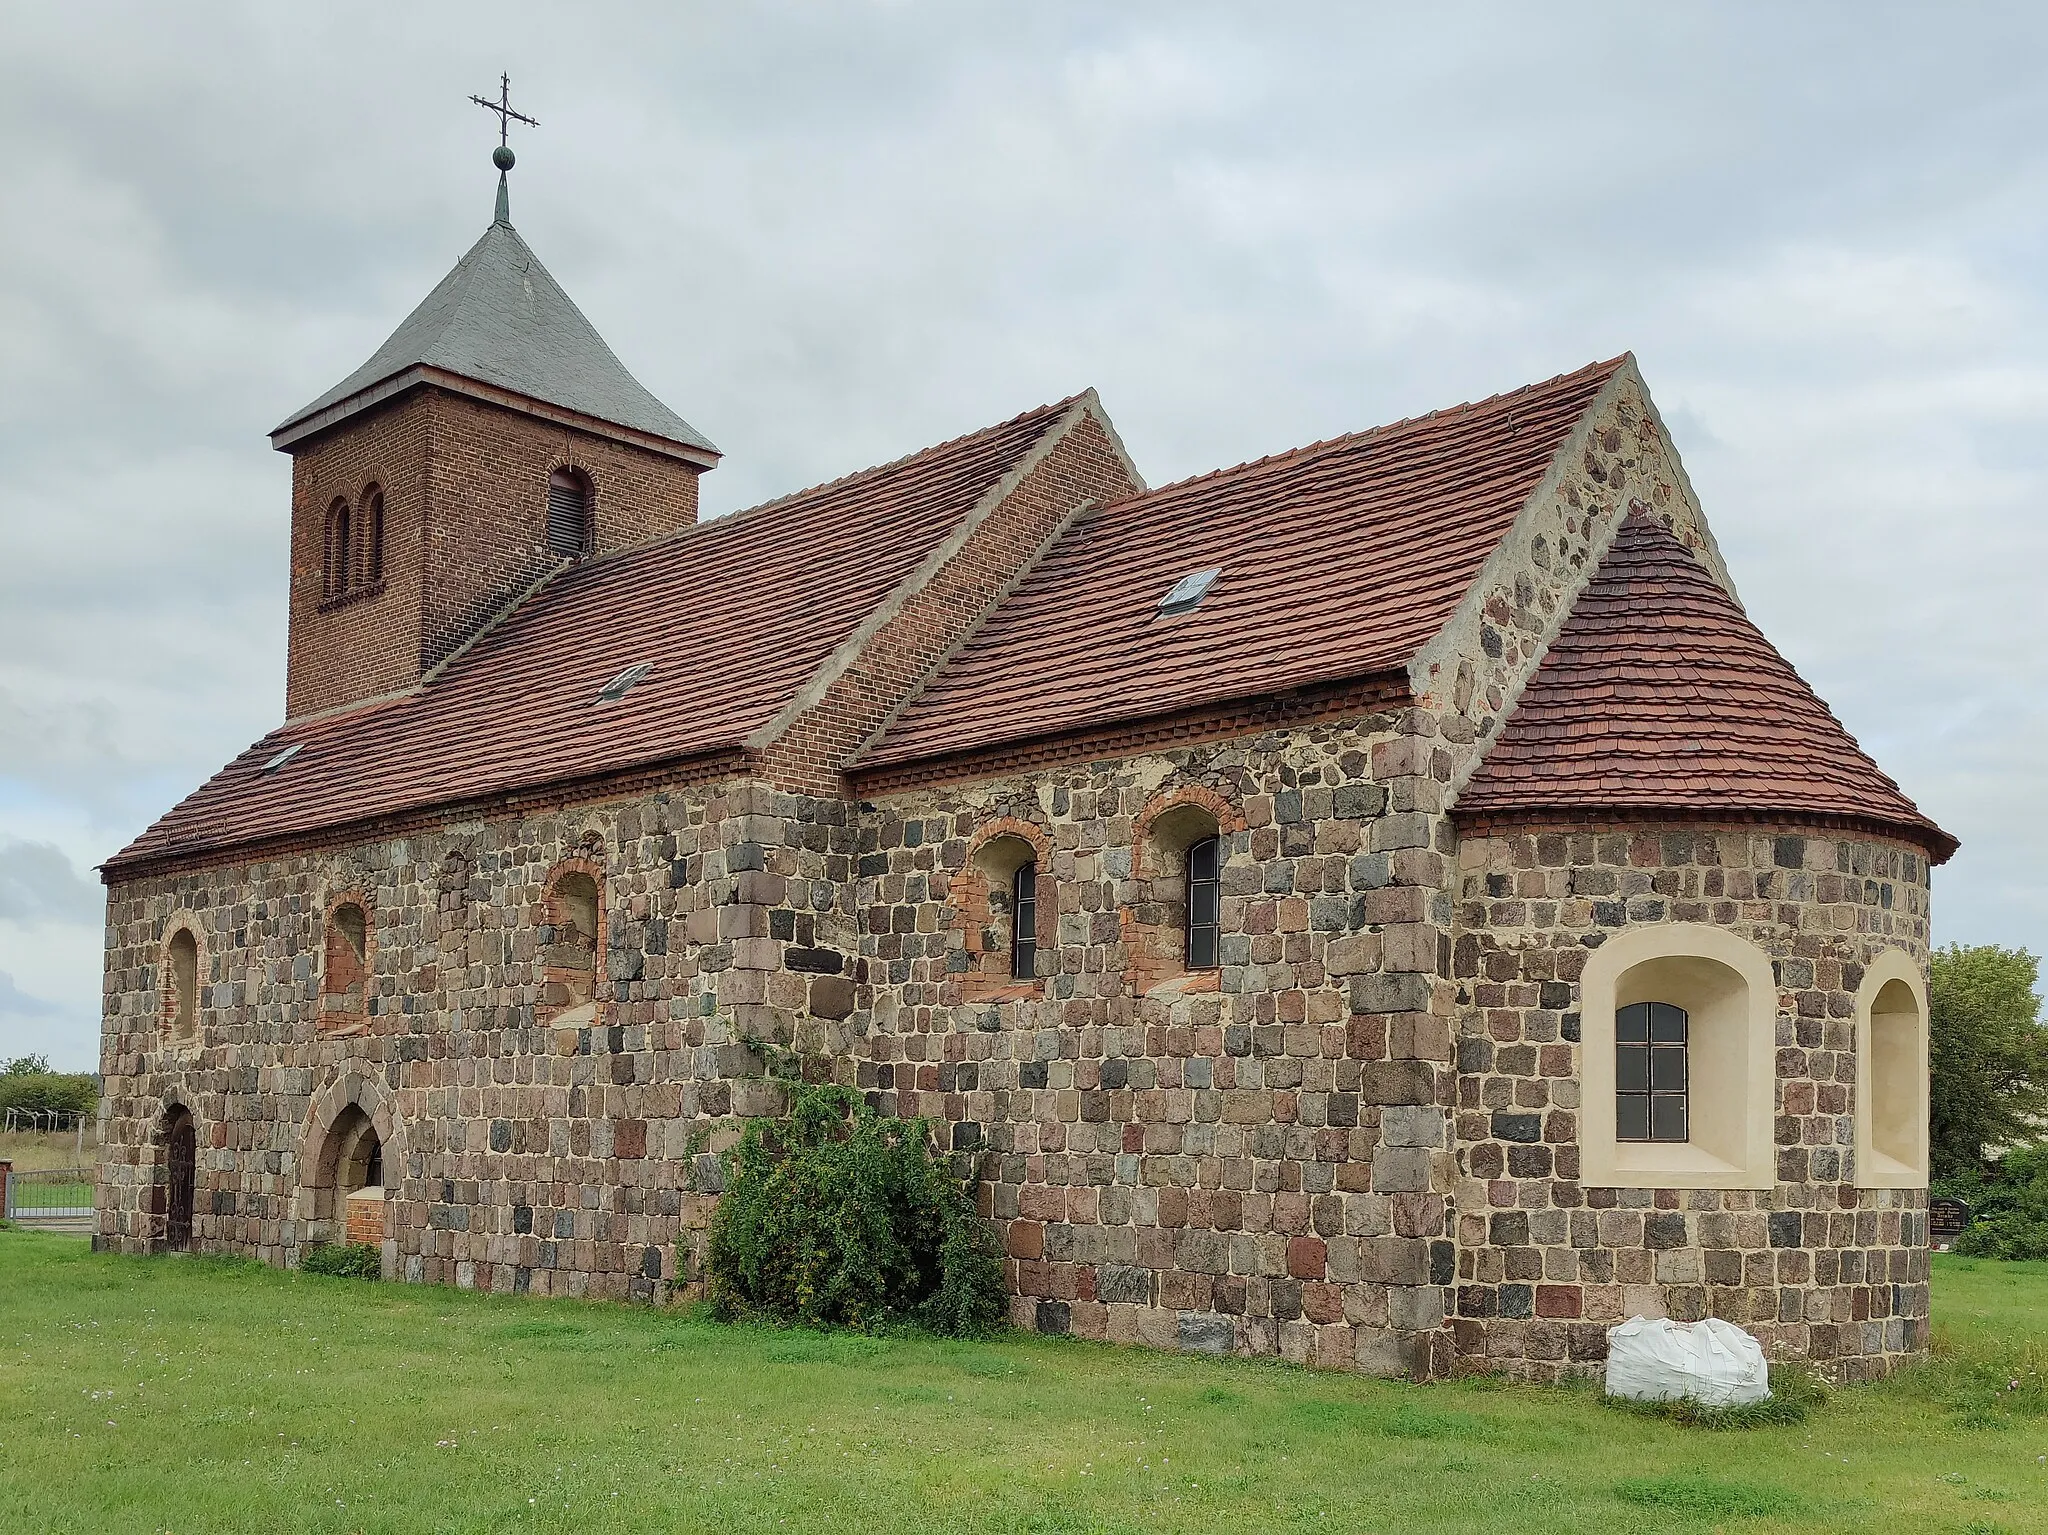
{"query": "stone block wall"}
[(1250, 1160), (556, 1159), (1280, 1156), (1816, 1267)]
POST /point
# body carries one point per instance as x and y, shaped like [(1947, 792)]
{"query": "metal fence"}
[(21, 1121), (53, 1194)]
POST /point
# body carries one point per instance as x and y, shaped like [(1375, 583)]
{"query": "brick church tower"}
[(492, 439)]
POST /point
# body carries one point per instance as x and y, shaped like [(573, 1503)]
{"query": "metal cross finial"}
[(502, 156), (506, 116)]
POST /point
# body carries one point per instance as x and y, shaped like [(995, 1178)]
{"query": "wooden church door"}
[(184, 1169)]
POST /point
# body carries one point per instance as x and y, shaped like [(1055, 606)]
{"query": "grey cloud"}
[(828, 234), (39, 884), (18, 1004)]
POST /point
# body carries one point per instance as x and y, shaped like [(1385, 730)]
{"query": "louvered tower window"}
[(1204, 888), (570, 526)]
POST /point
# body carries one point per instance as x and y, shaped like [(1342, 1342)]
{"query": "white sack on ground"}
[(1714, 1362)]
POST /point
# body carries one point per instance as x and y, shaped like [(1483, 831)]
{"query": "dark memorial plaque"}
[(1946, 1219)]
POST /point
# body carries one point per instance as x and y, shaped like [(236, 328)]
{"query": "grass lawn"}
[(207, 1395), (33, 1153)]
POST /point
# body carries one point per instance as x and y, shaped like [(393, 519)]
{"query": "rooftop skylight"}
[(283, 757), (620, 685), (1189, 590)]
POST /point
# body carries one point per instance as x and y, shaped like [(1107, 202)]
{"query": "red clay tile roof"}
[(1659, 694), (735, 615), (1339, 560)]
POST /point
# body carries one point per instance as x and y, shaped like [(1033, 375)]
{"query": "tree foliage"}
[(27, 1082), (1988, 1055), (839, 1217), (2009, 1207)]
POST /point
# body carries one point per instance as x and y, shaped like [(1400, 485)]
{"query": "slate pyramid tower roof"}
[(1659, 695), (500, 319)]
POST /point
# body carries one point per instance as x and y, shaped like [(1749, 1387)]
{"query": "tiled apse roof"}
[(1660, 694), (501, 319), (735, 615), (1339, 560)]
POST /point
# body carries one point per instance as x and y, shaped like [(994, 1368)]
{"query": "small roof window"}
[(620, 685), (283, 757), (1189, 590)]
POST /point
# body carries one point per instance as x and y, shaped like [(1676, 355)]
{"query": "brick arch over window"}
[(369, 563), (181, 983), (351, 1122), (1153, 915), (981, 895), (348, 961), (573, 929), (339, 552)]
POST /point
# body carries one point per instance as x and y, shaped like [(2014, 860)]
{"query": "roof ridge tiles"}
[(1051, 409), (1309, 450)]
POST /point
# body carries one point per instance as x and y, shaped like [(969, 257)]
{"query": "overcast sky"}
[(828, 235)]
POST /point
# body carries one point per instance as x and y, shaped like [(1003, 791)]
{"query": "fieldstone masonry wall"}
[(1254, 1160), (556, 1159), (1279, 1158), (1815, 1267)]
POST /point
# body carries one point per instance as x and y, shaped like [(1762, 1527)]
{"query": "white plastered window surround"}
[(1891, 1074), (1728, 990)]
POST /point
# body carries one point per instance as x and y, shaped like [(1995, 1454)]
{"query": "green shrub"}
[(343, 1260), (2009, 1207), (22, 1086), (839, 1217)]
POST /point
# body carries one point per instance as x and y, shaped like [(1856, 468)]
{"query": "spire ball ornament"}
[(502, 156)]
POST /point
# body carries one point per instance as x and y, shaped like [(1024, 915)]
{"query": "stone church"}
[(1384, 905)]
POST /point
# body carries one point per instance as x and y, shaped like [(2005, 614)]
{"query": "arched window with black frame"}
[(1651, 1073), (1024, 922), (1204, 882)]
